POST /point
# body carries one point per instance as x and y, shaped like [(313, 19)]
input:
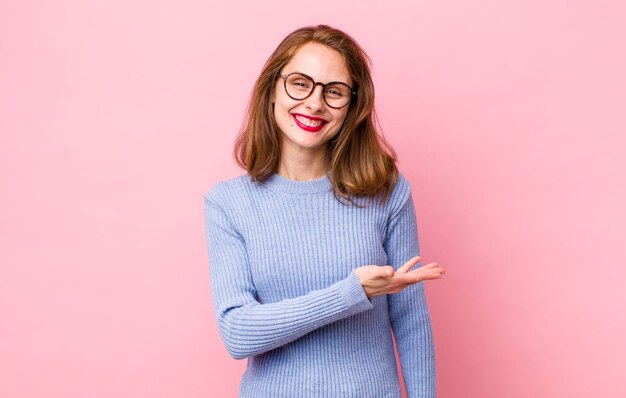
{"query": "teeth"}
[(308, 122)]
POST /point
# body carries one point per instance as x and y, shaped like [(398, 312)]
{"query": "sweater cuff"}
[(354, 296)]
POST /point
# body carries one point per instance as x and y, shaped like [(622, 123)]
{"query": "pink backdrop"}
[(115, 117)]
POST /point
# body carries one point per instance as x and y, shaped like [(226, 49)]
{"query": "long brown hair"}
[(362, 163)]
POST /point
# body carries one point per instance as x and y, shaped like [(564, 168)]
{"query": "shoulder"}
[(402, 188), (400, 194), (228, 191)]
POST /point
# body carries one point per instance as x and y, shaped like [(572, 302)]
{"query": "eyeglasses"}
[(299, 86)]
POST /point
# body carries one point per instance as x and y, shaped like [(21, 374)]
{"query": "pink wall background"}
[(115, 117)]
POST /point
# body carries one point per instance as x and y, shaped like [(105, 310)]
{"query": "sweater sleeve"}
[(248, 327), (410, 319)]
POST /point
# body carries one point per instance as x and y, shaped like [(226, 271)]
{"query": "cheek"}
[(282, 101), (341, 118)]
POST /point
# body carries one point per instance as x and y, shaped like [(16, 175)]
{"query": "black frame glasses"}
[(315, 84)]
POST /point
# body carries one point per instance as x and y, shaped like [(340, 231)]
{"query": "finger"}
[(407, 266), (431, 267), (432, 275), (423, 270), (438, 269), (427, 272), (405, 280), (383, 272)]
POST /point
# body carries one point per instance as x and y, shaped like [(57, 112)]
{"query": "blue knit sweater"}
[(282, 255)]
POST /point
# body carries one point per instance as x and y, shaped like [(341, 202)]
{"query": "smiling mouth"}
[(309, 124)]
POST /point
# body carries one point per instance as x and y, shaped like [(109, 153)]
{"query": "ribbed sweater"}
[(282, 256)]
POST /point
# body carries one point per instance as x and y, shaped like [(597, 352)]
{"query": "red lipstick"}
[(312, 129)]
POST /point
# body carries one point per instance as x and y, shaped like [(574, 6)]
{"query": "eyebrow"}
[(317, 81)]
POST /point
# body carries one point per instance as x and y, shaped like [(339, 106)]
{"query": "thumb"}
[(387, 271)]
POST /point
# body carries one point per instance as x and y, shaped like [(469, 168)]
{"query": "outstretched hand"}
[(378, 280)]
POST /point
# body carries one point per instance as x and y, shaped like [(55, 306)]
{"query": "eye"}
[(299, 83), (336, 91)]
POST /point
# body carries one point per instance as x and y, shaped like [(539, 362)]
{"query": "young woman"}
[(311, 250)]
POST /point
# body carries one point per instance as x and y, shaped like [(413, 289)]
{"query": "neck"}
[(303, 166)]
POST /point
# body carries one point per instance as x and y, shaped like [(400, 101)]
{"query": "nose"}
[(315, 101)]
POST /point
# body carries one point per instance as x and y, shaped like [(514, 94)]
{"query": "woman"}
[(311, 250)]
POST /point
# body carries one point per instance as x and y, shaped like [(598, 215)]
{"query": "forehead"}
[(320, 62)]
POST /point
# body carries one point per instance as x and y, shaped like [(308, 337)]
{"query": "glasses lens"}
[(337, 94), (298, 86)]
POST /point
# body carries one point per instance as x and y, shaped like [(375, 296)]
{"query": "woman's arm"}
[(410, 319), (248, 327)]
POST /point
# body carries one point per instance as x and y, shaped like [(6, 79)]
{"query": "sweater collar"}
[(280, 184)]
